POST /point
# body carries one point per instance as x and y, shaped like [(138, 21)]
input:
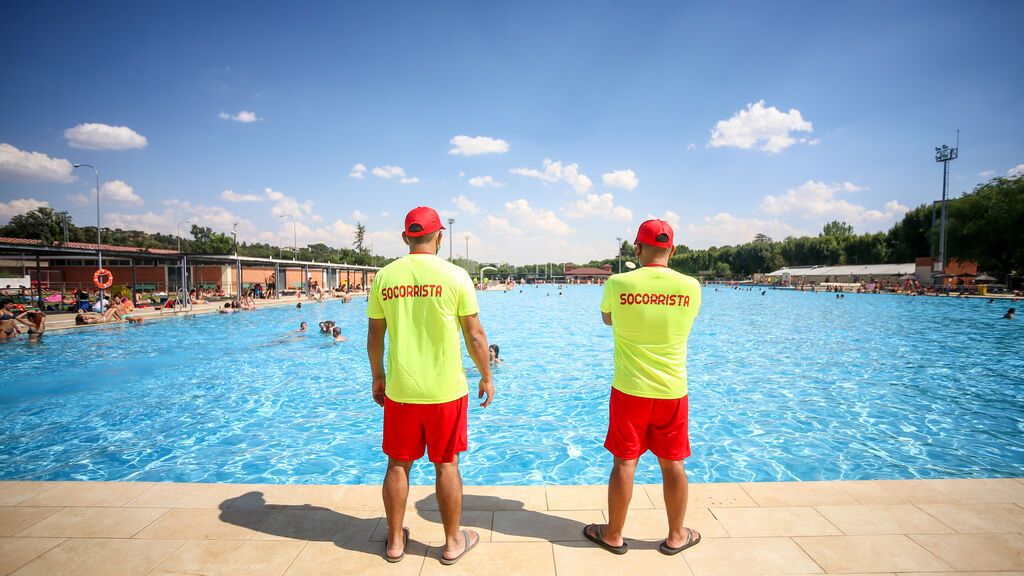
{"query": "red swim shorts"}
[(637, 424), (440, 428)]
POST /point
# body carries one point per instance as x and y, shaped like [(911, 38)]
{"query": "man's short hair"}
[(420, 240)]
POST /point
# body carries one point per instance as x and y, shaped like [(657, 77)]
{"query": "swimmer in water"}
[(36, 322), (1010, 314), (302, 327), (493, 352), (336, 333)]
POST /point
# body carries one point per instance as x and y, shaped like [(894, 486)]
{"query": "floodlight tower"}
[(451, 221), (945, 154)]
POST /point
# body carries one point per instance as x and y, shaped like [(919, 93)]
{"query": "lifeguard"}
[(421, 302), (651, 311)]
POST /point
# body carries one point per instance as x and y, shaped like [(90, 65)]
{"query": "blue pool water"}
[(785, 386)]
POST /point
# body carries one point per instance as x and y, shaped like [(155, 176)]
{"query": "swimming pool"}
[(785, 386)]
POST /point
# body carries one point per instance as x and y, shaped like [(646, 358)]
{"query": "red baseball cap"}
[(421, 221), (655, 233)]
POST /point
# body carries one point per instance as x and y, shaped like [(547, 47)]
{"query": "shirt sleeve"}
[(374, 306), (607, 297), (467, 297)]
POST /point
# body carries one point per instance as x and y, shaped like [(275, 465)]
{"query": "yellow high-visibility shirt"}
[(421, 297), (653, 309)]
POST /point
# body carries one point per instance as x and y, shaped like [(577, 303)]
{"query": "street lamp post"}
[(450, 222), (467, 248), (618, 254), (945, 154), (99, 249), (179, 232)]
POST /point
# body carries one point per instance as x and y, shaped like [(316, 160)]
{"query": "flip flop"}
[(393, 559), (667, 550), (465, 535), (598, 538)]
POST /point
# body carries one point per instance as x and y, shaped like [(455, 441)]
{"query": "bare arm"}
[(375, 350), (476, 343), (607, 317)]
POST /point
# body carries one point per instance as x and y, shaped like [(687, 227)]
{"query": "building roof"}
[(88, 246), (858, 270), (588, 272)]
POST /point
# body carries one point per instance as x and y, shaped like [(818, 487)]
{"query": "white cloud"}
[(357, 171), (465, 204), (819, 201), (598, 205), (245, 117), (104, 137), (625, 179), (17, 206), (17, 164), (389, 172), (359, 216), (386, 214), (497, 225), (987, 173), (1015, 172), (537, 219), (668, 216), (756, 124), (462, 174), (474, 146), (484, 181), (232, 196), (554, 172), (724, 229), (691, 146), (286, 205), (214, 217), (118, 191)]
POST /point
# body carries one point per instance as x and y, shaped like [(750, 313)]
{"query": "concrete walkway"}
[(65, 321), (918, 527)]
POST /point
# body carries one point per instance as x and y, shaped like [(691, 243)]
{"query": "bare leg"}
[(396, 494), (676, 489), (620, 492), (449, 498)]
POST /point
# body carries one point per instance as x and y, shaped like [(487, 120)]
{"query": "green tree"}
[(43, 223), (986, 225), (360, 239), (206, 241), (837, 229)]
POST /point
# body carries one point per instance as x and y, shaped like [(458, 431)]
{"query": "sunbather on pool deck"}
[(421, 302), (651, 310)]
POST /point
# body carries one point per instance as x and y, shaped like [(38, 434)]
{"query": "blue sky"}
[(727, 119)]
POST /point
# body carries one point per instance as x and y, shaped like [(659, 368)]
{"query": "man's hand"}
[(378, 390), (486, 388)]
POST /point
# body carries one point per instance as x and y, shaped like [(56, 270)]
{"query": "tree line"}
[(985, 225)]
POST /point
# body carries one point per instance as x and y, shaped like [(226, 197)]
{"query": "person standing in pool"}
[(421, 302), (651, 310)]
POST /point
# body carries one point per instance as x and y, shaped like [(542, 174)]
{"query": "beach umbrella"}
[(984, 279), (966, 275), (908, 277)]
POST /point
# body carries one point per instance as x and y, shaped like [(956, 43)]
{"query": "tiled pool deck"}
[(871, 527)]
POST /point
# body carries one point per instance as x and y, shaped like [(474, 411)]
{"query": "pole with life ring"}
[(103, 279)]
